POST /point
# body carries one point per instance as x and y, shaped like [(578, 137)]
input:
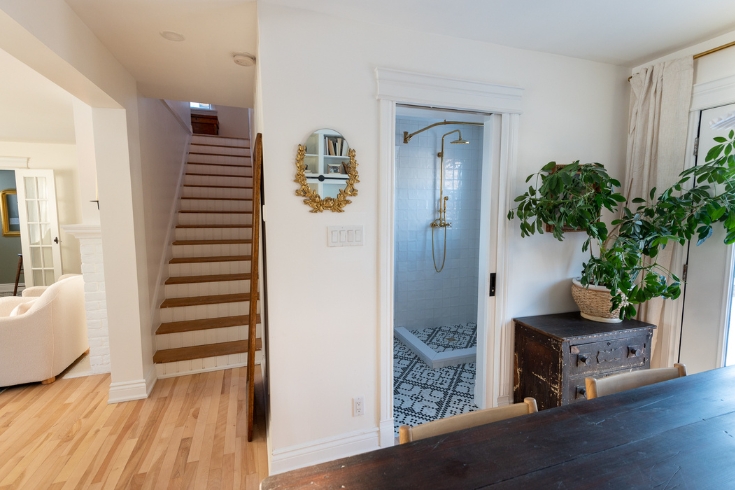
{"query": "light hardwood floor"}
[(190, 433)]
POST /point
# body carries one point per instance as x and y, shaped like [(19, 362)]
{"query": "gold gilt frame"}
[(313, 199), (4, 211)]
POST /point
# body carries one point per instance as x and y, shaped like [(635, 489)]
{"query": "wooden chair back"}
[(627, 381), (465, 421)]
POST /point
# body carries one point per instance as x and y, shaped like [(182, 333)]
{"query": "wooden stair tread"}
[(205, 324), (220, 175), (202, 351), (201, 211), (237, 241), (221, 186), (214, 226), (218, 164), (205, 300), (216, 258), (201, 135), (219, 154), (209, 278), (218, 146), (220, 198)]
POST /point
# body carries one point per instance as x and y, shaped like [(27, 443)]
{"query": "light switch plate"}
[(345, 236)]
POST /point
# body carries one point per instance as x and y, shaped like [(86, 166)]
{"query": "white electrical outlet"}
[(358, 406)]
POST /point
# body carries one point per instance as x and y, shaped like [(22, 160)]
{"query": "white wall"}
[(164, 143), (323, 352), (233, 121), (49, 37), (62, 159)]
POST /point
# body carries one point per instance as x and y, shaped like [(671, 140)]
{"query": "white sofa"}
[(41, 336)]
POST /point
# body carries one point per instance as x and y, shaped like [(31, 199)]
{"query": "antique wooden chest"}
[(554, 353)]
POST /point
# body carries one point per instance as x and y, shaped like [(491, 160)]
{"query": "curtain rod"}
[(705, 53)]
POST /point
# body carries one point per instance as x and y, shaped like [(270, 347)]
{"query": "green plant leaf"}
[(548, 167)]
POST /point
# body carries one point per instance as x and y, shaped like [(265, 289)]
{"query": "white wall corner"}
[(138, 389), (322, 450), (14, 162)]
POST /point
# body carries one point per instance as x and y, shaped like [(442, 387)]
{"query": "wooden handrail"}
[(255, 253)]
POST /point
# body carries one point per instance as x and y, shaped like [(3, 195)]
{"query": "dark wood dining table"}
[(679, 434)]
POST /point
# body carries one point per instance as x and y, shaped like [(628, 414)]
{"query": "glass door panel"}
[(39, 226)]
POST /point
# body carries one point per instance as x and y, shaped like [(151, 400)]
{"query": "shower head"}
[(460, 141)]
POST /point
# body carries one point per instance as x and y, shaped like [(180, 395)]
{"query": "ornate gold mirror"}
[(326, 171)]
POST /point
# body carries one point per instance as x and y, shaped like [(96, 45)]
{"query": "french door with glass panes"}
[(39, 226), (706, 321)]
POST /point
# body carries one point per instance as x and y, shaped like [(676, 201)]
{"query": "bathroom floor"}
[(422, 394)]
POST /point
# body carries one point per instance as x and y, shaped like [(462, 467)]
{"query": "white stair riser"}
[(189, 191), (220, 150), (215, 218), (208, 268), (193, 168), (213, 233), (215, 205), (213, 140), (205, 337), (211, 250), (194, 366), (206, 180), (206, 288), (201, 312), (225, 159)]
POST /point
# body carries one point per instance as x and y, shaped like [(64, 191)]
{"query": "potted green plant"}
[(622, 264)]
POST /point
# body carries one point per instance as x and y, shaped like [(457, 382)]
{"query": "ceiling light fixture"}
[(244, 59), (172, 36)]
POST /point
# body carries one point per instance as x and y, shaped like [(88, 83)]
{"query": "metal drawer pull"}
[(634, 351), (583, 359)]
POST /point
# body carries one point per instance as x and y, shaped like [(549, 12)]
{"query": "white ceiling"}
[(32, 108), (622, 32), (198, 69)]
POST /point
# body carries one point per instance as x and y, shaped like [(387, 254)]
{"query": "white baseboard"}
[(387, 433), (138, 389), (322, 450), (8, 288)]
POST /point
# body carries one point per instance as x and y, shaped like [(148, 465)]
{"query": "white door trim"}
[(395, 86)]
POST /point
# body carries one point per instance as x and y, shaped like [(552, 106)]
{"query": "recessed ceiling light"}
[(172, 36), (244, 59)]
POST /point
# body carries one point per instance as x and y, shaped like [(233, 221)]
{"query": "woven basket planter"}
[(594, 302)]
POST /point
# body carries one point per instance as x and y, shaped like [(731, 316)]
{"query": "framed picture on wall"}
[(9, 213)]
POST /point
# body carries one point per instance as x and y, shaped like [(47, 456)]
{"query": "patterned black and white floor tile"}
[(422, 394), (448, 338)]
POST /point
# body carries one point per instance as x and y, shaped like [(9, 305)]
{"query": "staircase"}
[(205, 316)]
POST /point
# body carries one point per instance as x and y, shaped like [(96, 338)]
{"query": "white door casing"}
[(709, 279), (39, 226), (494, 373)]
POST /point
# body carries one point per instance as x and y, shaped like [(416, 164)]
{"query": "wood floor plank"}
[(65, 436)]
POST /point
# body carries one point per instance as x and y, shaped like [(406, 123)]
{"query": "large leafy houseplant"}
[(623, 258)]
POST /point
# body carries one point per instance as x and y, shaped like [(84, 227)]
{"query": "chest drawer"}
[(606, 355)]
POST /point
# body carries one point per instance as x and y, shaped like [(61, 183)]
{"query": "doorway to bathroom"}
[(437, 233)]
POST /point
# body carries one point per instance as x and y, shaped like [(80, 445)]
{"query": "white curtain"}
[(660, 98)]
